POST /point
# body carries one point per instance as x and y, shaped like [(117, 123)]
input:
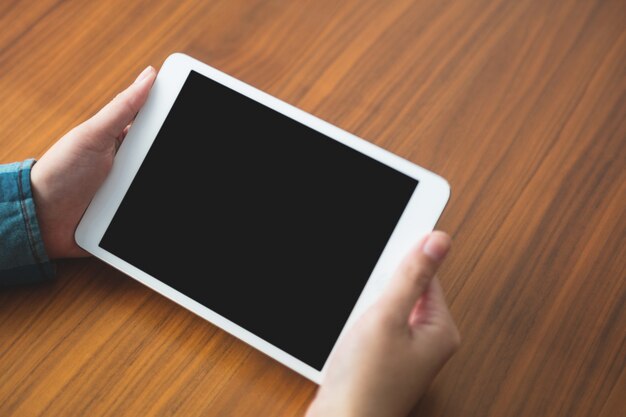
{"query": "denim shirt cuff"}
[(23, 258)]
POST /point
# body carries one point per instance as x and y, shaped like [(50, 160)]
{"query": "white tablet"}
[(268, 222)]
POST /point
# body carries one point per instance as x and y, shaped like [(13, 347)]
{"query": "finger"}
[(124, 132), (431, 308), (432, 324), (111, 120), (415, 273), (121, 137)]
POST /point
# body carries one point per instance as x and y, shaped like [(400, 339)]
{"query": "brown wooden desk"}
[(521, 105)]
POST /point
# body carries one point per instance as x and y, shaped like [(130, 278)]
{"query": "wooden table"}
[(521, 105)]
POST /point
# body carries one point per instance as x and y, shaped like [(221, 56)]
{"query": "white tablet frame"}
[(419, 217)]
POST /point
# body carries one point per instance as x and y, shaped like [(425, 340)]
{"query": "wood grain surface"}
[(521, 105)]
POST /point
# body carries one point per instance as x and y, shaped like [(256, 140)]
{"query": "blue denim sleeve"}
[(23, 258)]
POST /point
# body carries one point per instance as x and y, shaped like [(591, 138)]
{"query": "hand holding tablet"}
[(66, 177), (389, 357), (263, 219), (302, 223)]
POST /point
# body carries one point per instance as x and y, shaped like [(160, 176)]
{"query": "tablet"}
[(266, 221)]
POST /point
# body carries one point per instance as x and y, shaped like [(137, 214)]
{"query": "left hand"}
[(68, 175)]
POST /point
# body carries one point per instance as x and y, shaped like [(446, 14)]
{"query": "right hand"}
[(387, 360)]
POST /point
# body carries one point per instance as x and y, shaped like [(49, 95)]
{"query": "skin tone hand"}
[(68, 175), (386, 361)]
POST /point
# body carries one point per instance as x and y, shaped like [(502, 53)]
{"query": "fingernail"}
[(143, 74), (437, 246)]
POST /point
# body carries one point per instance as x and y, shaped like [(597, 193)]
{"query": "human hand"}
[(388, 358), (68, 175)]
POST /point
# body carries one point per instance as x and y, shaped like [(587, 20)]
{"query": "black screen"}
[(263, 220)]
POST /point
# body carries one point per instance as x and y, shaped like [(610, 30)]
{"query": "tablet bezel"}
[(419, 217)]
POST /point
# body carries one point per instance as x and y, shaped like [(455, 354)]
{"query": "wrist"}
[(50, 235), (324, 407), (39, 200), (346, 405)]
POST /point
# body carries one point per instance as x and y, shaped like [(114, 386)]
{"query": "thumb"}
[(111, 120), (415, 273)]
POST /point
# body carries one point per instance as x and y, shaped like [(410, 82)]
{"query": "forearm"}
[(23, 258)]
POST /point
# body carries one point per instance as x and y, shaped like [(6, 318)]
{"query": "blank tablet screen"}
[(263, 220)]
